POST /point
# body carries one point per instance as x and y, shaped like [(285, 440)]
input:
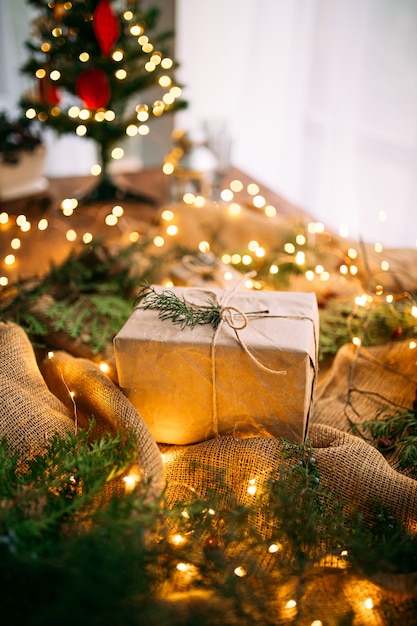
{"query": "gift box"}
[(251, 374)]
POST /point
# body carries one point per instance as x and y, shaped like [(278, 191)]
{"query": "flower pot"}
[(25, 177)]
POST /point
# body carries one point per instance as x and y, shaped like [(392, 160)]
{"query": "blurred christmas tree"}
[(92, 61)]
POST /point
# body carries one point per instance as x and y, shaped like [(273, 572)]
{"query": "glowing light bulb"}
[(240, 571)]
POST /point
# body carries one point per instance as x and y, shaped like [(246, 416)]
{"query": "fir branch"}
[(395, 430), (173, 308)]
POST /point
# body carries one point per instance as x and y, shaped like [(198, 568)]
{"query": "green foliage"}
[(177, 310), (74, 561), (395, 430), (376, 324), (88, 297)]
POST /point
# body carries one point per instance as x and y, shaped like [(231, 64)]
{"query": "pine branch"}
[(173, 308)]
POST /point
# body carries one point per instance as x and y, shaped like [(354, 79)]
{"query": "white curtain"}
[(320, 97)]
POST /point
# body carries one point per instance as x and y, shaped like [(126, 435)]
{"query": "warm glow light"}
[(309, 275), (4, 281), (167, 63), (226, 195), (259, 202), (131, 480), (25, 227), (168, 168), (204, 246), (274, 547), (43, 224), (131, 130), (117, 153), (412, 345), (117, 55), (158, 241), (134, 236), (104, 367), (378, 247), (120, 74), (352, 253), (234, 209), (87, 238), (236, 258), (81, 130), (300, 258), (414, 311), (96, 170), (270, 211), (289, 248), (117, 210), (246, 259), (172, 229), (260, 252), (15, 243), (236, 185), (109, 115), (199, 201), (84, 114), (144, 130), (167, 215), (253, 245), (343, 269), (252, 487), (240, 571), (291, 604), (71, 235), (84, 57), (177, 540), (274, 269), (252, 189), (40, 73), (111, 220), (10, 259), (226, 259), (300, 240), (135, 30), (20, 219), (73, 112), (356, 341), (369, 603), (188, 198), (30, 114), (385, 266)]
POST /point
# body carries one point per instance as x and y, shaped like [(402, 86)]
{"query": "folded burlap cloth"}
[(35, 407)]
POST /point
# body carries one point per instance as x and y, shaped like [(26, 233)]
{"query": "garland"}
[(75, 562)]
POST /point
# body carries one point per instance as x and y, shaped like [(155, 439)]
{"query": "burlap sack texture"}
[(33, 411)]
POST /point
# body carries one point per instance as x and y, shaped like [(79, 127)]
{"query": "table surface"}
[(39, 249)]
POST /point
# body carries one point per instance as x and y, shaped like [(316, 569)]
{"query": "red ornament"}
[(93, 88), (106, 27), (396, 333), (48, 93)]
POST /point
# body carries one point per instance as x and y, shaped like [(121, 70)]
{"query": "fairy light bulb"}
[(291, 604), (240, 571), (252, 489), (369, 603), (177, 540), (104, 367), (158, 241)]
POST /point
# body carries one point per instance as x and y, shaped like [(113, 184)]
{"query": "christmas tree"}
[(92, 61)]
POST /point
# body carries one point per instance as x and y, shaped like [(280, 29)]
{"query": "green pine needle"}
[(173, 308)]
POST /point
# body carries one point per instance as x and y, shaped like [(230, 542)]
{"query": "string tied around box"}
[(195, 311)]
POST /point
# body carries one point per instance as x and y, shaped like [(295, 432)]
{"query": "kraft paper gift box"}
[(192, 384)]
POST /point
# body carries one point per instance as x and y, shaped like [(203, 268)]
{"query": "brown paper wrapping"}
[(188, 390)]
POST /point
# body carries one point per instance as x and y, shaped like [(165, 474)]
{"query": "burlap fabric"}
[(35, 407)]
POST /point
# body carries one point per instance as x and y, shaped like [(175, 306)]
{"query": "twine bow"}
[(227, 315)]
